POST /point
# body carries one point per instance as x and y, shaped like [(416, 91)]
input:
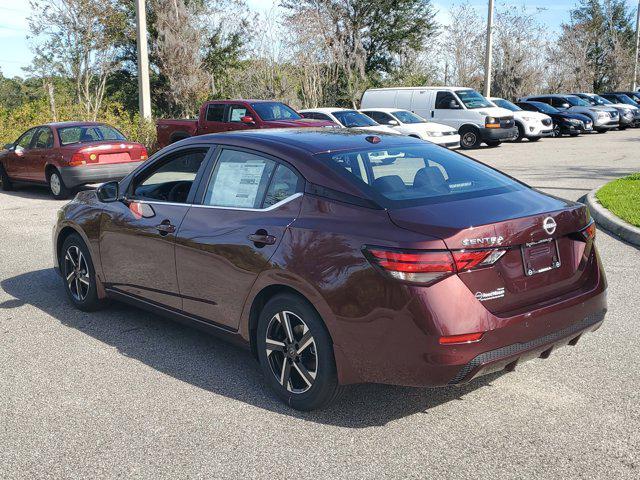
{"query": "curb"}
[(610, 222)]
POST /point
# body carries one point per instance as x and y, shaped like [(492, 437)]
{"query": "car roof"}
[(384, 110), (420, 88), (73, 123), (326, 109)]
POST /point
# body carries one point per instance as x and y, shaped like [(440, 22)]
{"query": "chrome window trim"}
[(241, 209)]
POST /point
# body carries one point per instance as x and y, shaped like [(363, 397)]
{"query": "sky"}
[(16, 54)]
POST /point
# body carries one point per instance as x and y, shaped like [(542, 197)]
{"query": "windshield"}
[(88, 133), (351, 118), (473, 99), (501, 102), (544, 107), (601, 100), (416, 175), (576, 101), (405, 116), (275, 111), (626, 99)]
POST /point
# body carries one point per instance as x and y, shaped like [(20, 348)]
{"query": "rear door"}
[(213, 120), (403, 99), (224, 242), (137, 248)]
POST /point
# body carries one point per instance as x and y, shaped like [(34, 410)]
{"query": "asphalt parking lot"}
[(122, 393)]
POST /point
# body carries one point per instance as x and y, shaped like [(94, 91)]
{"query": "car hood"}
[(302, 122), (623, 105), (427, 127), (528, 114), (495, 111), (575, 116)]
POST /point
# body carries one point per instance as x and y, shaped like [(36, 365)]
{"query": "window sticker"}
[(236, 184)]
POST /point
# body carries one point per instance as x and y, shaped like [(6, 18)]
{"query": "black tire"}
[(521, 134), (574, 134), (75, 265), (601, 130), (622, 127), (493, 143), (469, 138), (534, 139), (56, 185), (5, 182), (303, 376)]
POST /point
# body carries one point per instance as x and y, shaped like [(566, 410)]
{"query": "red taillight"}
[(144, 154), (589, 232), (77, 159), (427, 266), (465, 338)]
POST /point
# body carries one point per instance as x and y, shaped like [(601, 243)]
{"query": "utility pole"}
[(634, 82), (144, 90), (489, 52)]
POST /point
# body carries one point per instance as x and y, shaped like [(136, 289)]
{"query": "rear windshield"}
[(275, 111), (417, 175), (88, 133), (351, 118)]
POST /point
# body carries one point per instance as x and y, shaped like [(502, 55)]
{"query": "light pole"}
[(488, 52), (144, 93), (634, 84)]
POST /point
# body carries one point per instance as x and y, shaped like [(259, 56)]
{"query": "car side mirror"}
[(393, 123), (247, 120), (566, 105), (453, 105), (18, 150), (109, 192)]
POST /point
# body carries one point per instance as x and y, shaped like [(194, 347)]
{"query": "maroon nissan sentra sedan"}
[(340, 257)]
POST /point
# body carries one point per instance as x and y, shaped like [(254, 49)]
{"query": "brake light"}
[(589, 232), (77, 159), (144, 154), (465, 338), (429, 266)]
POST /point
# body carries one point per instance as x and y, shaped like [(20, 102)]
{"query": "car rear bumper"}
[(498, 134), (82, 175)]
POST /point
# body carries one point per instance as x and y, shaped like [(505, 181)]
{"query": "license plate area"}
[(539, 257)]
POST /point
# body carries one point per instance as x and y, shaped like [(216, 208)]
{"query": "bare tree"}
[(76, 39)]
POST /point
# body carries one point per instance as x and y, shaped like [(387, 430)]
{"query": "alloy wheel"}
[(469, 139), (556, 131), (56, 185), (291, 352), (76, 273)]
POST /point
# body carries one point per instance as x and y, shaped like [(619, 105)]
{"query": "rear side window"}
[(239, 180), (415, 175), (283, 184), (44, 138), (215, 113)]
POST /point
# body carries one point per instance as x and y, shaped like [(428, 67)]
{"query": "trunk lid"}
[(108, 152), (512, 221)]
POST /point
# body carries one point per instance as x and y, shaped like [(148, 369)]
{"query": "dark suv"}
[(335, 266)]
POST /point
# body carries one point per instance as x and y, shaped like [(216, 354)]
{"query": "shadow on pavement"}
[(212, 364)]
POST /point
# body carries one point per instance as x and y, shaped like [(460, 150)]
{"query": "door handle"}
[(165, 228), (261, 238)]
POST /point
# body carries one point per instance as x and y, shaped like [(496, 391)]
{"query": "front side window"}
[(445, 101), (352, 118), (171, 180), (236, 112), (472, 99), (275, 111), (24, 142), (44, 138), (239, 180), (88, 133), (405, 116), (421, 175)]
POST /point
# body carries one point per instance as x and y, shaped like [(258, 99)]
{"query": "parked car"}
[(564, 123), (413, 125), (531, 125), (226, 115), (629, 114), (476, 119), (628, 98), (603, 118), (67, 155), (345, 118), (334, 268)]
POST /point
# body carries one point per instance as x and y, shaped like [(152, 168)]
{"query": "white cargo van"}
[(476, 119)]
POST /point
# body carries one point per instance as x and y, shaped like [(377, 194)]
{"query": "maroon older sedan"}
[(340, 257), (66, 155)]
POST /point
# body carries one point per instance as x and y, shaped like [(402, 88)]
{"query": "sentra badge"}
[(484, 241)]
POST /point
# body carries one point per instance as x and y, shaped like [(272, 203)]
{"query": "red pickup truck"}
[(226, 115)]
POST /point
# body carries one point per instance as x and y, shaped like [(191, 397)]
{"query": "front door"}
[(17, 158), (138, 235), (448, 110), (227, 240)]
